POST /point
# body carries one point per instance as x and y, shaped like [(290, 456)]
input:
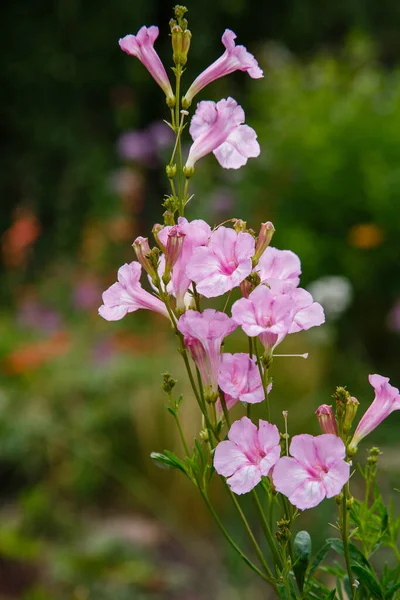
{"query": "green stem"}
[(178, 422), (181, 205), (229, 539), (267, 532), (224, 408), (250, 533), (264, 378), (345, 538)]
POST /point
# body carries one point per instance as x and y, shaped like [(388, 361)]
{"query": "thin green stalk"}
[(224, 408), (267, 532), (178, 423), (345, 538), (250, 533), (264, 379), (229, 539)]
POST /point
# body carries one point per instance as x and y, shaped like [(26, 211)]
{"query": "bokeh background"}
[(85, 514)]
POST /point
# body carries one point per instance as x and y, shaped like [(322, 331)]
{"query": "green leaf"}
[(367, 578), (169, 460), (302, 553), (319, 557), (332, 595), (302, 546), (389, 593)]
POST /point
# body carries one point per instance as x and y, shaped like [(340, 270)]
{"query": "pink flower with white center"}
[(279, 264), (326, 419), (197, 233), (203, 334), (235, 58), (218, 128), (266, 315), (239, 379), (387, 399), (127, 295), (141, 45), (315, 470), (248, 454), (223, 264), (306, 312)]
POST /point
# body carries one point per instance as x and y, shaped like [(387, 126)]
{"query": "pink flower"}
[(279, 264), (127, 295), (203, 334), (249, 454), (218, 128), (326, 419), (316, 471), (141, 45), (223, 264), (197, 233), (306, 312), (235, 58), (387, 399), (239, 379), (265, 314)]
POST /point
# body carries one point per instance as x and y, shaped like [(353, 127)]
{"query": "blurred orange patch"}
[(17, 240), (31, 356), (365, 236)]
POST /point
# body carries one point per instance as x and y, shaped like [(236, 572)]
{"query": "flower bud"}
[(142, 250), (351, 410), (326, 419), (170, 171), (188, 171), (267, 230), (246, 287), (239, 225), (204, 435), (173, 250), (180, 44), (155, 231), (169, 218), (341, 396), (168, 382)]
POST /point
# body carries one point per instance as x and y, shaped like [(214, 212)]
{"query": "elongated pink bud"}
[(142, 249), (326, 419), (173, 250), (267, 230)]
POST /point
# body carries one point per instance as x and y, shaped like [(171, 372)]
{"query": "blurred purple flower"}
[(86, 294), (145, 145), (102, 351), (36, 316)]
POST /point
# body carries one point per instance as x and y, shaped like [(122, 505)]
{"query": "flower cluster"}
[(191, 263)]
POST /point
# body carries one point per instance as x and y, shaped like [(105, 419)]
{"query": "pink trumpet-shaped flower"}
[(264, 314), (387, 399), (248, 454), (223, 264), (141, 45), (197, 233), (306, 312), (235, 58), (240, 380), (218, 128), (127, 295), (279, 264), (203, 334), (326, 419), (315, 470)]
